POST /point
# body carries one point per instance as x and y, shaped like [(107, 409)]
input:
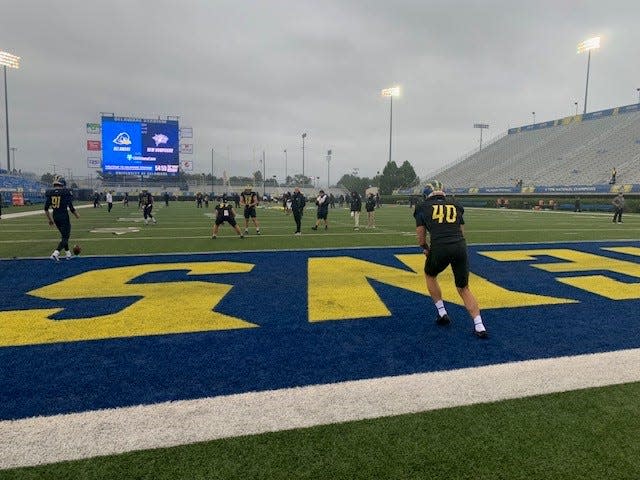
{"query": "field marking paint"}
[(42, 440)]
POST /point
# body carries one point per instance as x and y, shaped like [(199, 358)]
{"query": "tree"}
[(354, 183), (257, 177), (300, 179), (407, 175), (394, 177), (47, 178)]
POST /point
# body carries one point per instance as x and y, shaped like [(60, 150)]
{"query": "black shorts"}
[(249, 212), (321, 215), (443, 255), (230, 220)]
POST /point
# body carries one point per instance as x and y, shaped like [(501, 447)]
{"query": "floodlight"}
[(391, 92), (589, 44), (586, 46), (9, 60)]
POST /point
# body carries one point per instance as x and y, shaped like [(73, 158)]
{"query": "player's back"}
[(442, 218), (59, 199)]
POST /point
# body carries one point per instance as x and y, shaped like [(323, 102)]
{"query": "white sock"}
[(56, 253), (479, 326), (441, 310)]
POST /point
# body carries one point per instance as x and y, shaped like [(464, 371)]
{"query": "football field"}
[(161, 353)]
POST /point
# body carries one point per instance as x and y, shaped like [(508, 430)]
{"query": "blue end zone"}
[(286, 350)]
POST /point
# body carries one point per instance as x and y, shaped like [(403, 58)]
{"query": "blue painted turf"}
[(286, 350)]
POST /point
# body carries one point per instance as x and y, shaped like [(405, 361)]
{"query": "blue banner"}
[(585, 117)]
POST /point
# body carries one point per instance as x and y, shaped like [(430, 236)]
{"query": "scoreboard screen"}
[(140, 146)]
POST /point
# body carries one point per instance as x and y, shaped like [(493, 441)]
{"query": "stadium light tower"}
[(391, 92), (638, 90), (587, 46), (534, 117), (212, 171), (11, 61), (481, 126), (285, 166), (304, 135)]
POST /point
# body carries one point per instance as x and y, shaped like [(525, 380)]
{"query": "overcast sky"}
[(253, 76)]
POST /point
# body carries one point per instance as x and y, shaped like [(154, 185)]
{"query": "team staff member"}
[(59, 199), (370, 207), (444, 221), (225, 213), (146, 200), (356, 208), (249, 200), (109, 201), (618, 208), (322, 201), (298, 202)]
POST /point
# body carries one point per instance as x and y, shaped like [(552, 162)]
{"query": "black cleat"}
[(443, 320), (315, 227), (482, 334)]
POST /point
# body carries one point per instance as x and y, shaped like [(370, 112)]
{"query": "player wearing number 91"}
[(59, 199), (443, 219)]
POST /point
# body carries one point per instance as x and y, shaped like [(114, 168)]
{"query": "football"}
[(76, 249)]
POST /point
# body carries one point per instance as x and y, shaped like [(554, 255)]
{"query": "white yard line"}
[(42, 440)]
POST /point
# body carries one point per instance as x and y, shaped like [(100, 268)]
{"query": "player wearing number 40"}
[(443, 219)]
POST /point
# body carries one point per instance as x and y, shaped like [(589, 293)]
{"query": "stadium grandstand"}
[(580, 150), (19, 189)]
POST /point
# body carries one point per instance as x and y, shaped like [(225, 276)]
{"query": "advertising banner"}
[(186, 132), (186, 148), (93, 128), (93, 162), (94, 145), (186, 165)]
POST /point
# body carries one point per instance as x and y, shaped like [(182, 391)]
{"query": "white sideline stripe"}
[(41, 440)]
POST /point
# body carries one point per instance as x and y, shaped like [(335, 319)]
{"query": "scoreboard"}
[(140, 146)]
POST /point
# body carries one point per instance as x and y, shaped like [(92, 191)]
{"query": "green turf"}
[(184, 228), (587, 434)]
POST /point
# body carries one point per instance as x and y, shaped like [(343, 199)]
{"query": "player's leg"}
[(255, 221), (64, 226), (246, 220), (436, 262), (297, 216), (356, 218), (460, 267), (153, 219)]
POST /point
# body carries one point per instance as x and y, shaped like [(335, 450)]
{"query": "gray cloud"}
[(254, 75)]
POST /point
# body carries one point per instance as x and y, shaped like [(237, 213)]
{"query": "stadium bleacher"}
[(580, 150), (32, 190)]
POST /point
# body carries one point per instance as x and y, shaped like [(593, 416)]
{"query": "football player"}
[(60, 200), (322, 201), (249, 199), (225, 213), (146, 200), (443, 219)]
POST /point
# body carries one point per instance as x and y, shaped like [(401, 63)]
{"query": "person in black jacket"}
[(298, 203), (443, 219), (60, 200), (370, 207), (356, 208)]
